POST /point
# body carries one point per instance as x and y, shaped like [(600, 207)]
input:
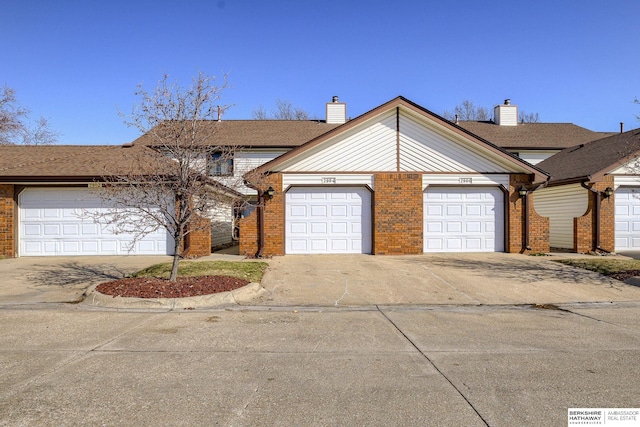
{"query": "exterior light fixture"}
[(522, 192), (608, 192), (270, 192)]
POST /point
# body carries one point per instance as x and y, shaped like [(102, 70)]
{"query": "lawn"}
[(249, 270)]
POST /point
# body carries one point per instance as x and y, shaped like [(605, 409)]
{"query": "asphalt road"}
[(436, 366)]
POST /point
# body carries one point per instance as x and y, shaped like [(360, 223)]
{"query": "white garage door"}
[(627, 225), (463, 219), (328, 220), (55, 222)]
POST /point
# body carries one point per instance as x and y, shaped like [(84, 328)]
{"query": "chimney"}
[(621, 127), (506, 114), (219, 113), (336, 111)]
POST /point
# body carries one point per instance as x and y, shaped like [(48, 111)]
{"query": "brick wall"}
[(397, 214), (273, 223), (538, 225), (7, 221), (584, 237), (200, 238)]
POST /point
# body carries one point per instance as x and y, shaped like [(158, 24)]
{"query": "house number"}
[(328, 180), (465, 180)]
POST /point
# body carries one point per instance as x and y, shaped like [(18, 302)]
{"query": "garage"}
[(328, 220), (627, 218), (54, 221), (463, 219)]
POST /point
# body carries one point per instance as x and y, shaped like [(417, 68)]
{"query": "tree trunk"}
[(176, 260)]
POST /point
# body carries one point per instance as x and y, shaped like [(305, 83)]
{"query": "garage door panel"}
[(459, 219), (627, 218), (59, 222), (336, 220)]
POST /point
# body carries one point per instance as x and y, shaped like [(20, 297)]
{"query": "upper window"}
[(221, 165)]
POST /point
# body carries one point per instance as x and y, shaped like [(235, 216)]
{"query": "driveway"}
[(486, 278), (29, 280)]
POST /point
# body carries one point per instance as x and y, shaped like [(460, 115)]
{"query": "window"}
[(221, 165)]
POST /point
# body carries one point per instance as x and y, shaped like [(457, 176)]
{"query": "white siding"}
[(336, 112), (221, 225), (561, 204), (371, 147), (466, 179), (424, 149), (245, 161), (506, 115), (289, 179), (536, 156)]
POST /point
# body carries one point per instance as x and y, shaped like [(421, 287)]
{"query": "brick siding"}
[(538, 225), (7, 221), (200, 238), (584, 238), (397, 214), (273, 223)]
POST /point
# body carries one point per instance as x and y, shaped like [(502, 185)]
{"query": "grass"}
[(604, 265), (250, 270)]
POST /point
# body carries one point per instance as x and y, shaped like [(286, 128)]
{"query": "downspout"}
[(525, 206), (260, 224), (596, 213)]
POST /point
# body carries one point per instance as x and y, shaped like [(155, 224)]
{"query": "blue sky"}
[(78, 63)]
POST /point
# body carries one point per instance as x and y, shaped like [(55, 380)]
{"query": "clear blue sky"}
[(78, 62)]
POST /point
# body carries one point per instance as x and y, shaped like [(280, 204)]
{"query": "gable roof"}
[(593, 160), (538, 136), (257, 133), (406, 105), (76, 163)]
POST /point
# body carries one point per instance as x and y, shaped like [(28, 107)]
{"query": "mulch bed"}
[(624, 275), (152, 287)]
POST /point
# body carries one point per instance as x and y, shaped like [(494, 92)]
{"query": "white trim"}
[(465, 179), (626, 181), (326, 179)]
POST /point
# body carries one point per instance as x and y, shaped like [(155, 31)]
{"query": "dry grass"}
[(249, 270), (603, 265)]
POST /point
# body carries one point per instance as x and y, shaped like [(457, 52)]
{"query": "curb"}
[(237, 296)]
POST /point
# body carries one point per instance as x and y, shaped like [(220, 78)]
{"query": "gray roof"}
[(536, 136), (258, 133), (592, 160)]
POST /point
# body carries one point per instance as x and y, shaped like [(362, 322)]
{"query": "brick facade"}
[(538, 225), (7, 221), (273, 222), (397, 214), (584, 237), (397, 218), (199, 240)]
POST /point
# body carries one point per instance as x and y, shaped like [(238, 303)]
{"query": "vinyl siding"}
[(561, 204)]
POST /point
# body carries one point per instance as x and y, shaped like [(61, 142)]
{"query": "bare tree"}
[(15, 125), (467, 110), (528, 117), (169, 183), (284, 110)]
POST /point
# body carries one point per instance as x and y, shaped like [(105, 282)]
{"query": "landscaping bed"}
[(194, 278)]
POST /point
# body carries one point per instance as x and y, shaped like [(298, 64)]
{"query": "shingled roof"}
[(536, 136), (258, 133), (592, 160), (19, 163)]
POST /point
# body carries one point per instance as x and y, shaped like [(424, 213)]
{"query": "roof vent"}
[(506, 114), (336, 111)]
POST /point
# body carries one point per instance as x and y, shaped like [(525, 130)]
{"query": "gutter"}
[(596, 212)]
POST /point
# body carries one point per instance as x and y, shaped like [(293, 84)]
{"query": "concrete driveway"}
[(29, 280), (486, 278)]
